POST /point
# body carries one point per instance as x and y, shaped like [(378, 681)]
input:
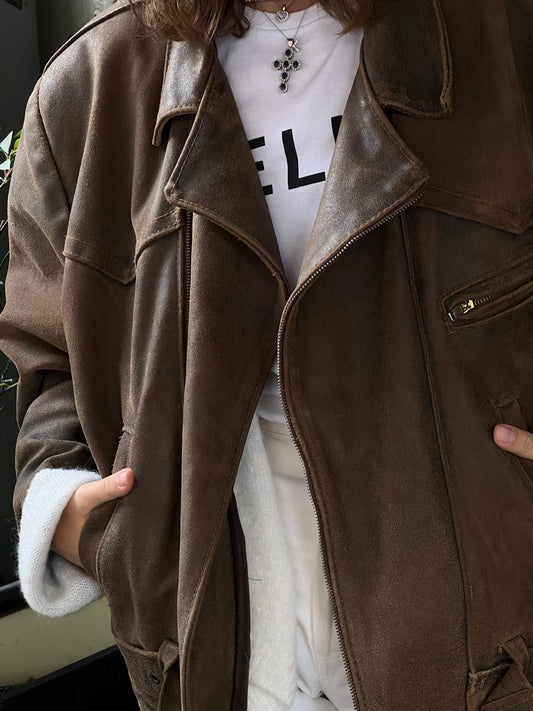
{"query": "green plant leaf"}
[(6, 144), (6, 165)]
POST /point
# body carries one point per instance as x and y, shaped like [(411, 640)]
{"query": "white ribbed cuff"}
[(51, 585)]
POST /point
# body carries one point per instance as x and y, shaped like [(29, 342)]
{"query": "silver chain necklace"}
[(287, 63), (282, 14)]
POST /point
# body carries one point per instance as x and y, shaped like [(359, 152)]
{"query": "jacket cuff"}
[(51, 585)]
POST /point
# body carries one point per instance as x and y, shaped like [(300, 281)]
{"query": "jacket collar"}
[(406, 56), (186, 73), (215, 175), (216, 168)]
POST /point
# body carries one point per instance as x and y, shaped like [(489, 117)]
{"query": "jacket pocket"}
[(153, 675), (510, 412), (489, 297), (520, 701), (513, 691), (100, 519)]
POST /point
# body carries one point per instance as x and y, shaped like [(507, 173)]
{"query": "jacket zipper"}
[(188, 250), (466, 306), (186, 290), (283, 322), (512, 290)]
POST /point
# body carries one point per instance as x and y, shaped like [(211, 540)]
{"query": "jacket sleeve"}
[(52, 457)]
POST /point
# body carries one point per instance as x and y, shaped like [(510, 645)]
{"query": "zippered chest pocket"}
[(489, 297)]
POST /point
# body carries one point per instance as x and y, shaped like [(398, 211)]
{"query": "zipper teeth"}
[(468, 305), (281, 329), (188, 250), (486, 298), (483, 299)]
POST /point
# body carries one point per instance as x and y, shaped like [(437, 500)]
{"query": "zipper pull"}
[(461, 310)]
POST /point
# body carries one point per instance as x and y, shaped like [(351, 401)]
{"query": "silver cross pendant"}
[(287, 64)]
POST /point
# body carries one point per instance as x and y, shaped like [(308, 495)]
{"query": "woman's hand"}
[(86, 497), (515, 440)]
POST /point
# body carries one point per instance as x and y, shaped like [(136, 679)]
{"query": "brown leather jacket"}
[(144, 298)]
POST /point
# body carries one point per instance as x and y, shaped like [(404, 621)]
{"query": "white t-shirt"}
[(292, 135)]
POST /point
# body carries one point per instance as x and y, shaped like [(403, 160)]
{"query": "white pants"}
[(321, 678)]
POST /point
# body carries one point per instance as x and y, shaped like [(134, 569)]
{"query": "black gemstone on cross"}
[(287, 63)]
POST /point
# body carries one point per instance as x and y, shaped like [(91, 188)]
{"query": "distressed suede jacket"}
[(146, 302)]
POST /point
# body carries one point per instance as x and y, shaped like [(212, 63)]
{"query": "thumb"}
[(515, 440), (110, 487)]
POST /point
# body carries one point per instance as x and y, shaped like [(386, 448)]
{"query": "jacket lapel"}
[(407, 57), (215, 175), (373, 174)]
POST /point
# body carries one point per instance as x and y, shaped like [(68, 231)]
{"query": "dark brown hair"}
[(199, 21)]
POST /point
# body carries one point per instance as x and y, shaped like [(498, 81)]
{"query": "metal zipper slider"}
[(461, 309)]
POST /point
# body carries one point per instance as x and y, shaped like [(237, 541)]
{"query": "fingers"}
[(66, 537), (515, 440), (110, 487)]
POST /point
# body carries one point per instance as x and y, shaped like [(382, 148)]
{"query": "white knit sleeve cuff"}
[(51, 585)]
